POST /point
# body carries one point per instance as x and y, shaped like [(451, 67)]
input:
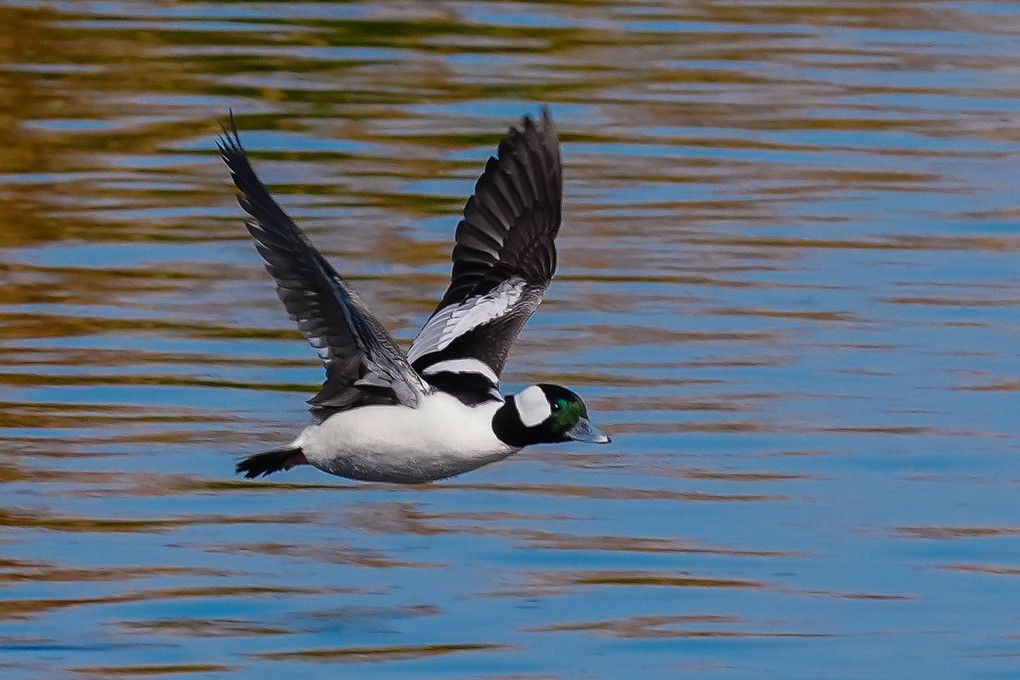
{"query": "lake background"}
[(788, 287)]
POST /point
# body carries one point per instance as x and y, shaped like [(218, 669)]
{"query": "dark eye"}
[(556, 406)]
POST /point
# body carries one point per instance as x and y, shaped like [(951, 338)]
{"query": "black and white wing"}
[(363, 363), (503, 260)]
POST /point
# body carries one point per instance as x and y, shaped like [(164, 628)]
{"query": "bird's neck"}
[(508, 428)]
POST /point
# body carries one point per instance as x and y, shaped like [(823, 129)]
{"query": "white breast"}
[(440, 438)]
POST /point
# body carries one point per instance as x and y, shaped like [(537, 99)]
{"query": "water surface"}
[(788, 287)]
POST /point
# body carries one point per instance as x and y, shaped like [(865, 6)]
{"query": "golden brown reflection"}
[(933, 243), (549, 583), (12, 571), (57, 415), (994, 569), (748, 427), (654, 627), (630, 544), (893, 597), (72, 523), (999, 386), (950, 533), (380, 653), (149, 670), (730, 475), (29, 380), (626, 578), (21, 608), (619, 493), (330, 554)]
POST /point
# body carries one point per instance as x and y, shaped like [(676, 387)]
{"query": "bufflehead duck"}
[(436, 411)]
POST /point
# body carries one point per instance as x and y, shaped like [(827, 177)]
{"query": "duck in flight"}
[(437, 410)]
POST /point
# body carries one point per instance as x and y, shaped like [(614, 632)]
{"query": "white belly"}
[(440, 438)]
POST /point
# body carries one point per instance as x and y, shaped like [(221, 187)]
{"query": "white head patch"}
[(533, 406)]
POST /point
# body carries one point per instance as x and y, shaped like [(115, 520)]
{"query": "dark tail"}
[(271, 461)]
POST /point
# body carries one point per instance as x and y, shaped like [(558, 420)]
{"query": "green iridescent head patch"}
[(566, 412)]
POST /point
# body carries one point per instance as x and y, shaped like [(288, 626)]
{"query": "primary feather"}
[(505, 252), (363, 363)]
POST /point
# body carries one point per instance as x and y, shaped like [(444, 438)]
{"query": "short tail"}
[(262, 464)]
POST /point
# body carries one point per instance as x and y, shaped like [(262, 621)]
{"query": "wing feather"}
[(363, 363), (505, 252)]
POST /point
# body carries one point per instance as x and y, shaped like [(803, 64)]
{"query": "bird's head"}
[(546, 414)]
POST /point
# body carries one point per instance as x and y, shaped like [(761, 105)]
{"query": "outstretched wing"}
[(363, 363), (503, 260)]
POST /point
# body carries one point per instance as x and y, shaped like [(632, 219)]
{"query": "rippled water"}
[(788, 287)]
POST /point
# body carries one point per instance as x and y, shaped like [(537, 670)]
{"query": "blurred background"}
[(788, 287)]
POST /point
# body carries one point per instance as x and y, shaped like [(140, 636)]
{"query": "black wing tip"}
[(229, 140), (262, 464), (235, 156), (536, 138), (523, 180), (542, 128), (544, 120)]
